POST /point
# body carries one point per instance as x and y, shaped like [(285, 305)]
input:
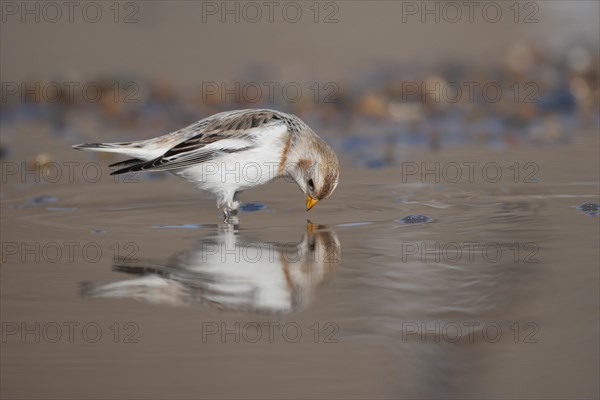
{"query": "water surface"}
[(493, 293)]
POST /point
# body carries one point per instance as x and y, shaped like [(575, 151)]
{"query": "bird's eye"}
[(311, 184)]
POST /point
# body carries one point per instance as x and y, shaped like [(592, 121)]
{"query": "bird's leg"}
[(230, 216), (231, 209), (235, 204)]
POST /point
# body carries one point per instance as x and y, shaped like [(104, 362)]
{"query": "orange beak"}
[(310, 202)]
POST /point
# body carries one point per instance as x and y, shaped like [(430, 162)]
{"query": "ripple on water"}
[(589, 208), (430, 203), (250, 207), (36, 201), (184, 226), (61, 209), (414, 219), (353, 224)]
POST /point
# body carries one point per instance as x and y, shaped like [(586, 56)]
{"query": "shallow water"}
[(137, 290)]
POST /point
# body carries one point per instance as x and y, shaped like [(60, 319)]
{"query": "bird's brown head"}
[(316, 170)]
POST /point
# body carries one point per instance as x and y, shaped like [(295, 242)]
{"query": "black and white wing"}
[(211, 138)]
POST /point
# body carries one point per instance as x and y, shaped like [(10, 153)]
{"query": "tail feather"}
[(139, 150), (126, 163), (131, 166), (107, 147)]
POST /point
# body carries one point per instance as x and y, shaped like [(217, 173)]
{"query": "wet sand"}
[(386, 314)]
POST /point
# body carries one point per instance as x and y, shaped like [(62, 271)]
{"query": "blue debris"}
[(250, 207), (414, 219), (589, 208)]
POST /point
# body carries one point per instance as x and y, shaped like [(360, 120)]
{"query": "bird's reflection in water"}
[(232, 272)]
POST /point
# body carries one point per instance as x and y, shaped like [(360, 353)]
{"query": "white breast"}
[(240, 170)]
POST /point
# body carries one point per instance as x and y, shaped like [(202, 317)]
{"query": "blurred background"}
[(390, 85), (383, 73)]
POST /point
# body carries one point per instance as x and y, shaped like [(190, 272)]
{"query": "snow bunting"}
[(233, 151)]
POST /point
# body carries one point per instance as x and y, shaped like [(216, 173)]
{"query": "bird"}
[(233, 151), (230, 271)]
